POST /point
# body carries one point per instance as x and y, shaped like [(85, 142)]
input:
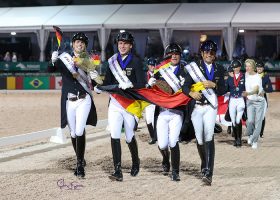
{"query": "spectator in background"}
[(267, 88), (255, 103), (7, 57), (14, 57)]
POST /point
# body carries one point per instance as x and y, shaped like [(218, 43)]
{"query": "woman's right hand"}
[(54, 56), (195, 95), (244, 94)]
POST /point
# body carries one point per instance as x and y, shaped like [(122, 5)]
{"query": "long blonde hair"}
[(251, 62)]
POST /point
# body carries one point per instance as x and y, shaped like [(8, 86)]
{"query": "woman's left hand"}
[(261, 94), (209, 84)]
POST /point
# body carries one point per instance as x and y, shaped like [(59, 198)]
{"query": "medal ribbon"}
[(176, 70), (127, 60), (149, 75), (236, 81), (210, 75)]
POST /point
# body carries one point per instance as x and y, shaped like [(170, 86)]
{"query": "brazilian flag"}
[(39, 83)]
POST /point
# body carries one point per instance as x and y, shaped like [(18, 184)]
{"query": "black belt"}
[(77, 97), (202, 104)]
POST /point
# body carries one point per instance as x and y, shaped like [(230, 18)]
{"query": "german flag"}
[(96, 59), (163, 64), (132, 106), (58, 34), (135, 100)]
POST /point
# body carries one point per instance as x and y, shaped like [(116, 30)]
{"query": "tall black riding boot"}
[(135, 126), (229, 129), (201, 152), (135, 158), (152, 133), (80, 151), (263, 125), (239, 134), (73, 140), (117, 153), (234, 133), (165, 160), (210, 156), (175, 162)]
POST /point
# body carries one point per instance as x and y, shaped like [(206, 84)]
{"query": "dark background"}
[(22, 3)]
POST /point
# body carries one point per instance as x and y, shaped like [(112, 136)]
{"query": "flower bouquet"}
[(88, 62)]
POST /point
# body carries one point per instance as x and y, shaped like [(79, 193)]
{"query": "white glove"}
[(93, 74), (130, 85), (54, 56), (121, 85), (152, 81), (182, 80), (124, 86), (97, 90)]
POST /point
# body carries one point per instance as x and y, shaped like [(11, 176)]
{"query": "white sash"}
[(197, 76), (117, 71), (170, 78), (82, 77)]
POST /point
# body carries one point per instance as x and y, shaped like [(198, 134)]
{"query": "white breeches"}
[(169, 125), (117, 116), (236, 109), (77, 114), (203, 119), (149, 114)]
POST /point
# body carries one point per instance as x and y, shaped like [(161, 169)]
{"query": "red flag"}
[(223, 102), (58, 34), (222, 109)]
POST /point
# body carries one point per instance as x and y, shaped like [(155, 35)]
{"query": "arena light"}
[(13, 33), (241, 31), (185, 51), (121, 31)]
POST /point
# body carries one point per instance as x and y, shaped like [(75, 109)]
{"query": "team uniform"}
[(169, 121), (150, 114), (77, 106), (132, 69), (230, 71), (236, 86), (204, 112), (267, 87)]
